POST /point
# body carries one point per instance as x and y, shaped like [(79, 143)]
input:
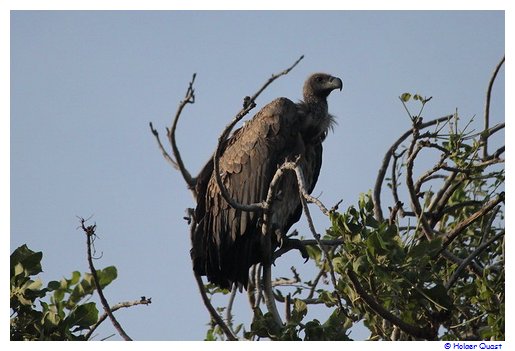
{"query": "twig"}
[(90, 233), (484, 136), (216, 317), (418, 332), (315, 283), (189, 98), (286, 282), (166, 155), (469, 259), (103, 317), (177, 163)]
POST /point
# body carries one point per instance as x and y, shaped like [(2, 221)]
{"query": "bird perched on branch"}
[(227, 241)]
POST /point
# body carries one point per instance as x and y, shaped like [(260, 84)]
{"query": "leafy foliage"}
[(66, 315)]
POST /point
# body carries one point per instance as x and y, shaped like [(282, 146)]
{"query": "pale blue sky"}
[(84, 86)]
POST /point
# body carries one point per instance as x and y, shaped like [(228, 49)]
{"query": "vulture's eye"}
[(319, 79)]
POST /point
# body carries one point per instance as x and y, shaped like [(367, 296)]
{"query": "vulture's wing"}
[(227, 241)]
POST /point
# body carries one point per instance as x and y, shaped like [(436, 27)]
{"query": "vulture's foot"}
[(288, 244)]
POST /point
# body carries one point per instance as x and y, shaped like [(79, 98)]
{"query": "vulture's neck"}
[(315, 117)]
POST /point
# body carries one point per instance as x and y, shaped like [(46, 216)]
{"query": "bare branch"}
[(166, 155), (189, 98), (484, 137), (90, 233), (176, 161), (142, 301), (274, 77)]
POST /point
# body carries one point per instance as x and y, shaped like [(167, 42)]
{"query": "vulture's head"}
[(320, 85)]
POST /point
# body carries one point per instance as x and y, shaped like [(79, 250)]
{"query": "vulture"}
[(226, 241)]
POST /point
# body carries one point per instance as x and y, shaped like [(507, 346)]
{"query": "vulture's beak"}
[(336, 83)]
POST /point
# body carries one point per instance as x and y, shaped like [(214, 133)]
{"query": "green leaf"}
[(34, 285), (58, 295), (53, 285), (405, 97), (83, 316), (75, 278), (30, 261), (300, 309), (107, 275), (300, 306)]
